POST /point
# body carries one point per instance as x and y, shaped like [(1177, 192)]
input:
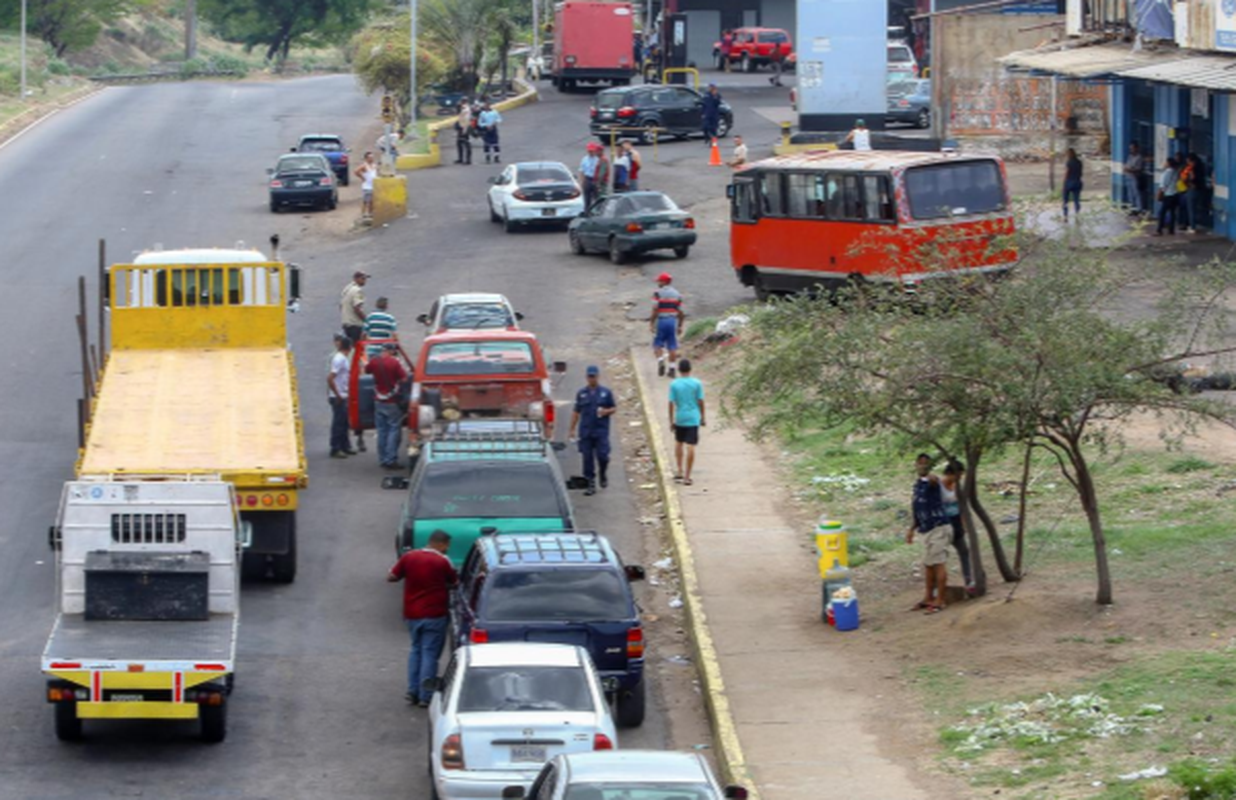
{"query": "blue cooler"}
[(845, 613)]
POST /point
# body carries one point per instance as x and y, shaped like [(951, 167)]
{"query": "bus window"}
[(744, 207), (843, 197), (805, 195), (770, 194), (954, 190), (877, 199)]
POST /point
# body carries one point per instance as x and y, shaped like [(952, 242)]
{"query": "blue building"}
[(1171, 85)]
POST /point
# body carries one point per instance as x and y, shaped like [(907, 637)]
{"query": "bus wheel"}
[(762, 292)]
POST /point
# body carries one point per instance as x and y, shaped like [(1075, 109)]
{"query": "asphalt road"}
[(318, 708)]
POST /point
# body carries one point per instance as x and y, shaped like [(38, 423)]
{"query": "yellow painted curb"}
[(433, 158), (729, 749), (790, 149)]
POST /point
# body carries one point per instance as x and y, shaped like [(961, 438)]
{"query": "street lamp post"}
[(535, 61), (23, 51), (412, 6)]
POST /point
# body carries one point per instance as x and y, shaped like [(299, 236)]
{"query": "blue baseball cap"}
[(592, 370)]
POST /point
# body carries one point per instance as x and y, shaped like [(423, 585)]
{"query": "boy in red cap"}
[(666, 322)]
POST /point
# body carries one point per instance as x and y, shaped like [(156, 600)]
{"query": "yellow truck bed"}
[(195, 410)]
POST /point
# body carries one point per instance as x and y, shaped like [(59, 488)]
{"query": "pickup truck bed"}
[(196, 410), (73, 638)]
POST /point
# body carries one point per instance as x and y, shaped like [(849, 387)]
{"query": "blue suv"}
[(568, 588)]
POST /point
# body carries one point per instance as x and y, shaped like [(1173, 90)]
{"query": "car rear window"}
[(578, 595), (477, 316), (648, 204), (524, 688), (480, 358), (954, 190), (300, 164), (462, 489), (321, 146), (611, 100), (529, 175), (899, 54), (639, 790), (773, 37)]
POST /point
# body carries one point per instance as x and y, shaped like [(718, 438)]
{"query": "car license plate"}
[(126, 698), (549, 212), (302, 183), (653, 226), (529, 754), (609, 684)]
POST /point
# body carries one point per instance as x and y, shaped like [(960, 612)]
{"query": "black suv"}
[(568, 588), (676, 110)]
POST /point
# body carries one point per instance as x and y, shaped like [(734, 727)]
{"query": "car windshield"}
[(955, 190), (476, 315), (524, 688), (321, 146), (611, 100), (901, 88), (649, 203), (529, 175), (576, 594), (300, 163), (480, 358), (630, 790), (463, 489)]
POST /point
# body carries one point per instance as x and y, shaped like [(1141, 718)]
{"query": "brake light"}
[(276, 184), (635, 227), (479, 636), (592, 111), (690, 223), (210, 667), (625, 112), (251, 500), (452, 752), (282, 500), (549, 413), (903, 102), (268, 500), (518, 194), (327, 181), (602, 742), (635, 642), (66, 665)]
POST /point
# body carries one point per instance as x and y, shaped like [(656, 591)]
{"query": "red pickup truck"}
[(487, 373), (754, 47)]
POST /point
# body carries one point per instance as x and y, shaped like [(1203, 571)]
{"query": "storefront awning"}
[(1201, 72), (1088, 61)]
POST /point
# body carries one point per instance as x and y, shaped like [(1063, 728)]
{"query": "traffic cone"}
[(714, 158)]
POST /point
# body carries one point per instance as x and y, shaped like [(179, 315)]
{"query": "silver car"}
[(646, 774)]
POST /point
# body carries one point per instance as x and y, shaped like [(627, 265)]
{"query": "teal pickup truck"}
[(483, 477)]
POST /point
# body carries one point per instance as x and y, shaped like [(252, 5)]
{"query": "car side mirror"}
[(431, 685), (560, 367), (735, 793), (291, 149), (395, 482), (729, 191), (519, 316), (423, 319), (53, 538), (270, 171), (577, 482), (634, 572), (513, 793)]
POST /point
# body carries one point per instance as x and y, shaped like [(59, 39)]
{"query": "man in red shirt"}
[(428, 577), (388, 382)]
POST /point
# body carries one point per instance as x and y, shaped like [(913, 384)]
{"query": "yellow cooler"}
[(830, 545)]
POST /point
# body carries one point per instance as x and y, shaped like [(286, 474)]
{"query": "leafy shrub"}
[(1189, 464), (1204, 782)]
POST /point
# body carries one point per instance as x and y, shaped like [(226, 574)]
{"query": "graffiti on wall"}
[(1012, 104)]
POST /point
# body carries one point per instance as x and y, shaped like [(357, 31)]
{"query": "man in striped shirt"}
[(666, 322), (379, 324)]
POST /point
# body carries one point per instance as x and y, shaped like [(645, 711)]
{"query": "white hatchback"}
[(471, 311), (500, 711), (534, 192)]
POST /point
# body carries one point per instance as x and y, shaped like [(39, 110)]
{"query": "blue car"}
[(330, 145), (910, 101), (566, 588)]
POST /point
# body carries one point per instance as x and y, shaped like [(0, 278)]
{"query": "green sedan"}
[(631, 223)]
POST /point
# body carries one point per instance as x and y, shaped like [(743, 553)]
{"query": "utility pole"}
[(190, 29), (23, 51), (412, 8), (536, 41)]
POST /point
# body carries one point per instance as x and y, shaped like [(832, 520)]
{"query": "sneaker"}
[(360, 445), (348, 452), (661, 369), (497, 159), (423, 703), (673, 372), (412, 698), (590, 491), (338, 454), (604, 482), (392, 465)]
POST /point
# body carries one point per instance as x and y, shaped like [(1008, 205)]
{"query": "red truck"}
[(594, 42)]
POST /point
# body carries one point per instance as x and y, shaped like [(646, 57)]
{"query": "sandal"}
[(677, 479), (921, 606), (934, 609), (687, 482)]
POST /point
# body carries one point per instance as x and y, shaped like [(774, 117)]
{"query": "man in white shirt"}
[(337, 381), (367, 171), (740, 153), (860, 137)]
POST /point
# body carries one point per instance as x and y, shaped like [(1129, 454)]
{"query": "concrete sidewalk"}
[(788, 705)]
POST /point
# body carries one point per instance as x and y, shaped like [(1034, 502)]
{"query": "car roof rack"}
[(578, 547), (497, 436)]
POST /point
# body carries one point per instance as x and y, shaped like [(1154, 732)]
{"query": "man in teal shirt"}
[(687, 416)]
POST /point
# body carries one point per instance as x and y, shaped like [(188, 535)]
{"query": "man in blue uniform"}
[(594, 405)]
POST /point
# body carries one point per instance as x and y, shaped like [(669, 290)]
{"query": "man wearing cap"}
[(666, 322), (352, 307), (389, 384), (594, 405), (860, 137), (593, 174), (710, 113)]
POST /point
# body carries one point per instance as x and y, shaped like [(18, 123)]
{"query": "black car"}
[(568, 588), (303, 179), (330, 145), (632, 223), (650, 112)]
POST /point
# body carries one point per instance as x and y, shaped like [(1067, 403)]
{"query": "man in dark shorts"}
[(687, 415)]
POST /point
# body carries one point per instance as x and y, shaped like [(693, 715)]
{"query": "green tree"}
[(64, 24), (379, 55), (277, 24), (1045, 358), (462, 27)]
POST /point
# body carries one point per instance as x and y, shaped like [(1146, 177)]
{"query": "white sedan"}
[(534, 192), (500, 711)]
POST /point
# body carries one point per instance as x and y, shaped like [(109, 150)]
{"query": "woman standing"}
[(1168, 196), (1072, 182)]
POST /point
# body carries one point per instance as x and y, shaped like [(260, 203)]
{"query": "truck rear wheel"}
[(214, 723), (68, 724), (273, 550)]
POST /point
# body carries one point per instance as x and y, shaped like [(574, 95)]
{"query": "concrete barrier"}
[(390, 198), (433, 158)]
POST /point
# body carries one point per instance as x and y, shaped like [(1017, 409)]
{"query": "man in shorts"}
[(666, 322), (687, 416), (927, 512)]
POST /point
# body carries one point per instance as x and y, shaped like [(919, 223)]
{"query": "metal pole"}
[(412, 8), (934, 26), (536, 40), (1051, 155), (23, 51)]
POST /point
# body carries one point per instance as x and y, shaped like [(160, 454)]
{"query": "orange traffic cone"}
[(714, 158)]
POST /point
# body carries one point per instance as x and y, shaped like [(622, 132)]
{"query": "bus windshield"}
[(962, 189)]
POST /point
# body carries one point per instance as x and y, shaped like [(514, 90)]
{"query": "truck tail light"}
[(689, 224), (635, 227), (276, 184), (536, 411), (65, 665), (903, 102), (452, 752), (602, 742), (268, 500), (549, 413), (635, 642), (282, 500), (479, 636), (626, 112)]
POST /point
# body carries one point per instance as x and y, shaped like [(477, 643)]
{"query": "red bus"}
[(825, 219)]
